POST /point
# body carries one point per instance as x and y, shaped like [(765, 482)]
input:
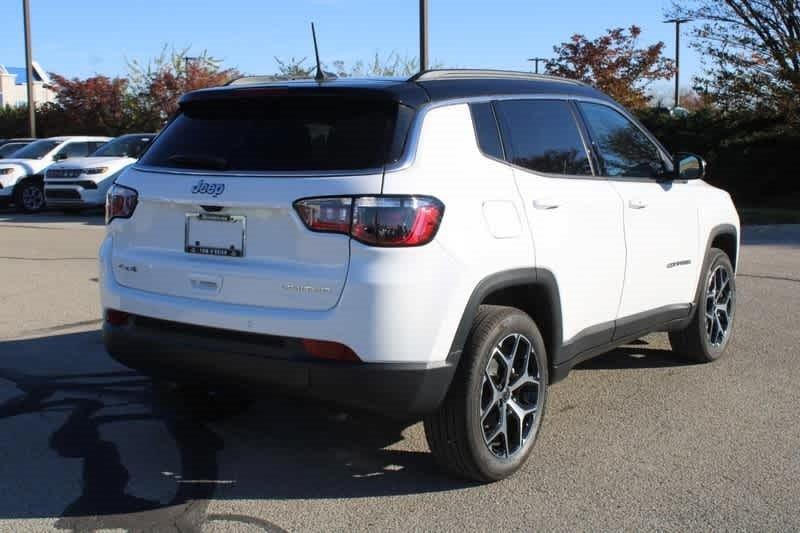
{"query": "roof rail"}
[(479, 74)]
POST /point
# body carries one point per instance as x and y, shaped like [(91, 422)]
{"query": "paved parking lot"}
[(633, 439)]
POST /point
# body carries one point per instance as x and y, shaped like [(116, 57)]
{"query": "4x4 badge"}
[(214, 189)]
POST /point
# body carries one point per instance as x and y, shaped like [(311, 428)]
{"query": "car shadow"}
[(89, 217), (120, 452), (635, 355)]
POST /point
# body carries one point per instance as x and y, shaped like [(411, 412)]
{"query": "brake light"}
[(375, 220), (120, 202), (330, 215)]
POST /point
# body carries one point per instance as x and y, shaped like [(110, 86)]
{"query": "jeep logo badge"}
[(214, 189)]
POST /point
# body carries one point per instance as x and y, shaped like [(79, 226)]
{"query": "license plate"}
[(220, 235)]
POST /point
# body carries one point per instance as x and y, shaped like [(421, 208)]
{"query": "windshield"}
[(290, 133), (37, 149), (8, 149), (125, 146)]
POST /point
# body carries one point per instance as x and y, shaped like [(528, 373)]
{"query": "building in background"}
[(13, 90)]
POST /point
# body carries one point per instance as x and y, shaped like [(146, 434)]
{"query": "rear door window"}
[(287, 133), (543, 136)]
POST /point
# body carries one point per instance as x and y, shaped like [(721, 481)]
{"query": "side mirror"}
[(60, 156), (689, 167)]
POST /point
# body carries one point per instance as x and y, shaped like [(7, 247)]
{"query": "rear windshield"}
[(287, 133)]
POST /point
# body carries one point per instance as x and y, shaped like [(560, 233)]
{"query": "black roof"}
[(422, 88)]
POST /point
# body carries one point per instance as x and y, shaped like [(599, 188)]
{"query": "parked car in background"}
[(83, 182), (21, 181), (8, 149)]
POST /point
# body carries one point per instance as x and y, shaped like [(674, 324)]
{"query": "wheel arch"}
[(726, 238), (531, 290)]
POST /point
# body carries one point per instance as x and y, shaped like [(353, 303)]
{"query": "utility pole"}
[(423, 35), (677, 22), (26, 15), (536, 61)]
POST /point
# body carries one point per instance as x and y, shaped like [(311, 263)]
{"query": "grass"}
[(768, 215)]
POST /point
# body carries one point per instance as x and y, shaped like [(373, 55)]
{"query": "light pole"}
[(423, 35), (677, 22), (536, 61), (26, 15)]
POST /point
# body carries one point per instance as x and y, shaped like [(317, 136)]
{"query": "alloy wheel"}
[(719, 306), (510, 396), (32, 198)]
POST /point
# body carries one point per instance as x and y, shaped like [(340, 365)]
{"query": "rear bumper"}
[(185, 353)]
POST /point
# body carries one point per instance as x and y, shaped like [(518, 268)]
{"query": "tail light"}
[(375, 220), (120, 202)]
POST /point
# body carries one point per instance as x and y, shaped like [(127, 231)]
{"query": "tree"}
[(157, 85), (614, 63), (752, 52), (96, 105)]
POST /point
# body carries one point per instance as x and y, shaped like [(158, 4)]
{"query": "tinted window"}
[(79, 149), (94, 146), (486, 130), (125, 146), (302, 133), (624, 148), (542, 135), (8, 149), (36, 150)]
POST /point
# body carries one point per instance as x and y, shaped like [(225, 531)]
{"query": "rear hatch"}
[(215, 219)]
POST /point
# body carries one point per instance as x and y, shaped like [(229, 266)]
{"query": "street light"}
[(677, 22), (26, 15), (536, 61)]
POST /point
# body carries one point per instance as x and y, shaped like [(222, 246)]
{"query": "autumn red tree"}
[(614, 63), (96, 105), (158, 85)]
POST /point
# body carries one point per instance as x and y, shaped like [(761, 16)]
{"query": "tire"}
[(705, 338), (29, 196), (456, 433)]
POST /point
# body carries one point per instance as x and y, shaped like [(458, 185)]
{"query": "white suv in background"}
[(83, 182), (446, 246), (21, 177)]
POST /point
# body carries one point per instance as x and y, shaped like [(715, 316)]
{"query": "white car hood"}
[(28, 166), (113, 163)]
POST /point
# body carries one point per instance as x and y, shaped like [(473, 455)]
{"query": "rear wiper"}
[(198, 161)]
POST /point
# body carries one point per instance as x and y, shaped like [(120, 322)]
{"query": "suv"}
[(83, 182), (446, 246), (21, 180)]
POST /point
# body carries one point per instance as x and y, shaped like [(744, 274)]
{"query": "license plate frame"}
[(237, 233)]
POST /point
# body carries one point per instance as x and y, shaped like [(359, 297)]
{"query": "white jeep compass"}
[(446, 246), (83, 182)]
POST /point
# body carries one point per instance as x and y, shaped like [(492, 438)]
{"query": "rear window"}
[(287, 133)]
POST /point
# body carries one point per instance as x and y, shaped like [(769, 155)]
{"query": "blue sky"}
[(85, 37)]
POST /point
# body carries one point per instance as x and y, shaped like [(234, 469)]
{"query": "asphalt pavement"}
[(635, 439)]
